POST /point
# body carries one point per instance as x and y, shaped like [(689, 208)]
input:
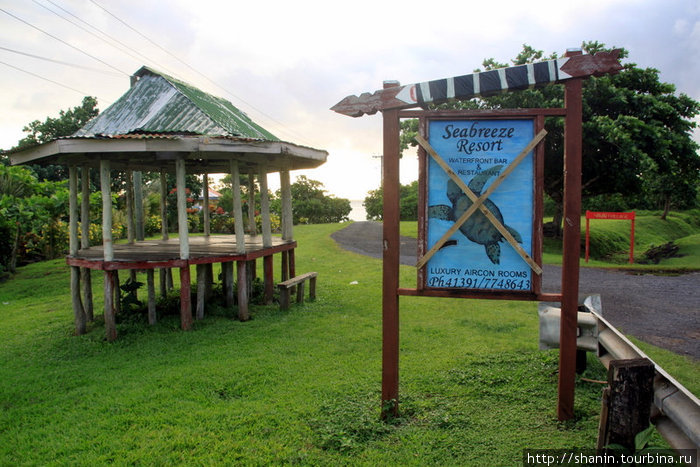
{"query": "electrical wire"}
[(124, 48), (45, 79), (73, 65), (63, 42), (282, 125)]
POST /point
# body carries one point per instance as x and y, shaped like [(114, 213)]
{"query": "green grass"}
[(295, 387)]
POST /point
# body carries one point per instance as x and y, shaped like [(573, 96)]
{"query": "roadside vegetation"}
[(301, 386)]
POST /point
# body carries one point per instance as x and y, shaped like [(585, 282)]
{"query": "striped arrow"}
[(484, 84)]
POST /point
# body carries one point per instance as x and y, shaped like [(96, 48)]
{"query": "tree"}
[(311, 205), (67, 123), (637, 134), (408, 203)]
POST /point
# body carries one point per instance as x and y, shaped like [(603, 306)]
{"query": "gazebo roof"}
[(160, 119)]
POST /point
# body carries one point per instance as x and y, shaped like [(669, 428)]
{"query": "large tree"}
[(637, 134), (67, 123)]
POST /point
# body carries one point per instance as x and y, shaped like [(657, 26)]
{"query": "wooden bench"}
[(285, 288)]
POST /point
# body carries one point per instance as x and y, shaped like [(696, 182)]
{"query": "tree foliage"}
[(637, 135), (67, 123), (311, 205), (408, 203)]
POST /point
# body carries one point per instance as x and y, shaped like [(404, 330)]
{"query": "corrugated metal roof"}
[(158, 103)]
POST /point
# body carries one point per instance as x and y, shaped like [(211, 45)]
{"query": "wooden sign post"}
[(465, 189)]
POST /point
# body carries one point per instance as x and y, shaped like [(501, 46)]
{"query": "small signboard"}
[(489, 250)]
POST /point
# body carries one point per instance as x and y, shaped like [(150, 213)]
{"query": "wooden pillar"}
[(108, 250), (105, 181), (252, 228), (268, 271), (78, 312), (243, 314), (166, 275), (390, 270), (85, 273), (205, 205), (130, 231), (110, 322), (287, 213), (571, 247), (201, 290), (265, 210), (237, 207), (138, 206), (163, 205), (185, 299), (227, 285), (150, 283)]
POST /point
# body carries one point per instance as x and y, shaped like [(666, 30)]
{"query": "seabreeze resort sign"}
[(482, 253)]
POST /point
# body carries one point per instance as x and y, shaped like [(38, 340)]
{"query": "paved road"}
[(661, 310)]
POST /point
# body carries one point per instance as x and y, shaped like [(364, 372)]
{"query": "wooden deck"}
[(166, 253)]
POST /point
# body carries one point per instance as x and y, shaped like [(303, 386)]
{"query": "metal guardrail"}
[(676, 411)]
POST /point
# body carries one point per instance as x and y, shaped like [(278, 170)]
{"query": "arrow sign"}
[(486, 83)]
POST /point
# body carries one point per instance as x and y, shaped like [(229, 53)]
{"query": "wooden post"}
[(85, 273), (268, 270), (105, 181), (110, 322), (205, 204), (78, 312), (630, 399), (130, 231), (237, 207), (201, 290), (571, 246), (252, 228), (227, 273), (185, 299), (183, 234), (166, 274), (138, 205), (150, 282), (287, 213), (265, 210), (182, 209), (390, 270), (243, 314)]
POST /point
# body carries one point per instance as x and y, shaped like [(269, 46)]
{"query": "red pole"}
[(632, 239), (572, 246), (390, 264), (588, 235)]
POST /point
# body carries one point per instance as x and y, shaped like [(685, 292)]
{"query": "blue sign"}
[(477, 256)]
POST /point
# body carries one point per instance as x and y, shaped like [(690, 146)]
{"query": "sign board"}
[(478, 255)]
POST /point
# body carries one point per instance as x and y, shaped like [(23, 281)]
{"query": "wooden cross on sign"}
[(478, 202)]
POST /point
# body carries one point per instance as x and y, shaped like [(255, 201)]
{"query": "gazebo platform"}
[(204, 251), (154, 254)]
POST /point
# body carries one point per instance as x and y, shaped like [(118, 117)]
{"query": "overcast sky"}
[(285, 63)]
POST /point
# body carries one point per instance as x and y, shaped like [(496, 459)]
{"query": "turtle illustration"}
[(477, 228)]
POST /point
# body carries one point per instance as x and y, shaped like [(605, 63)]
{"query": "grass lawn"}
[(295, 387)]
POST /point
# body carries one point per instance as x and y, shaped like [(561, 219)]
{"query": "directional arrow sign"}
[(486, 83)]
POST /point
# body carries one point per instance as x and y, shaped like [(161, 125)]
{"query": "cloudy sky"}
[(285, 63)]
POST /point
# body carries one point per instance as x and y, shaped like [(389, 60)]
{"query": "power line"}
[(45, 79), (74, 65), (62, 41), (124, 47), (282, 125)]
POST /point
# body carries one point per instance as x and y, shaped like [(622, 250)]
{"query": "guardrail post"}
[(629, 404)]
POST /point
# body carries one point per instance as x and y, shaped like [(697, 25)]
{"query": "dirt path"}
[(661, 310)]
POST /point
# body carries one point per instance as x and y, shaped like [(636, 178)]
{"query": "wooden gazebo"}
[(164, 125)]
